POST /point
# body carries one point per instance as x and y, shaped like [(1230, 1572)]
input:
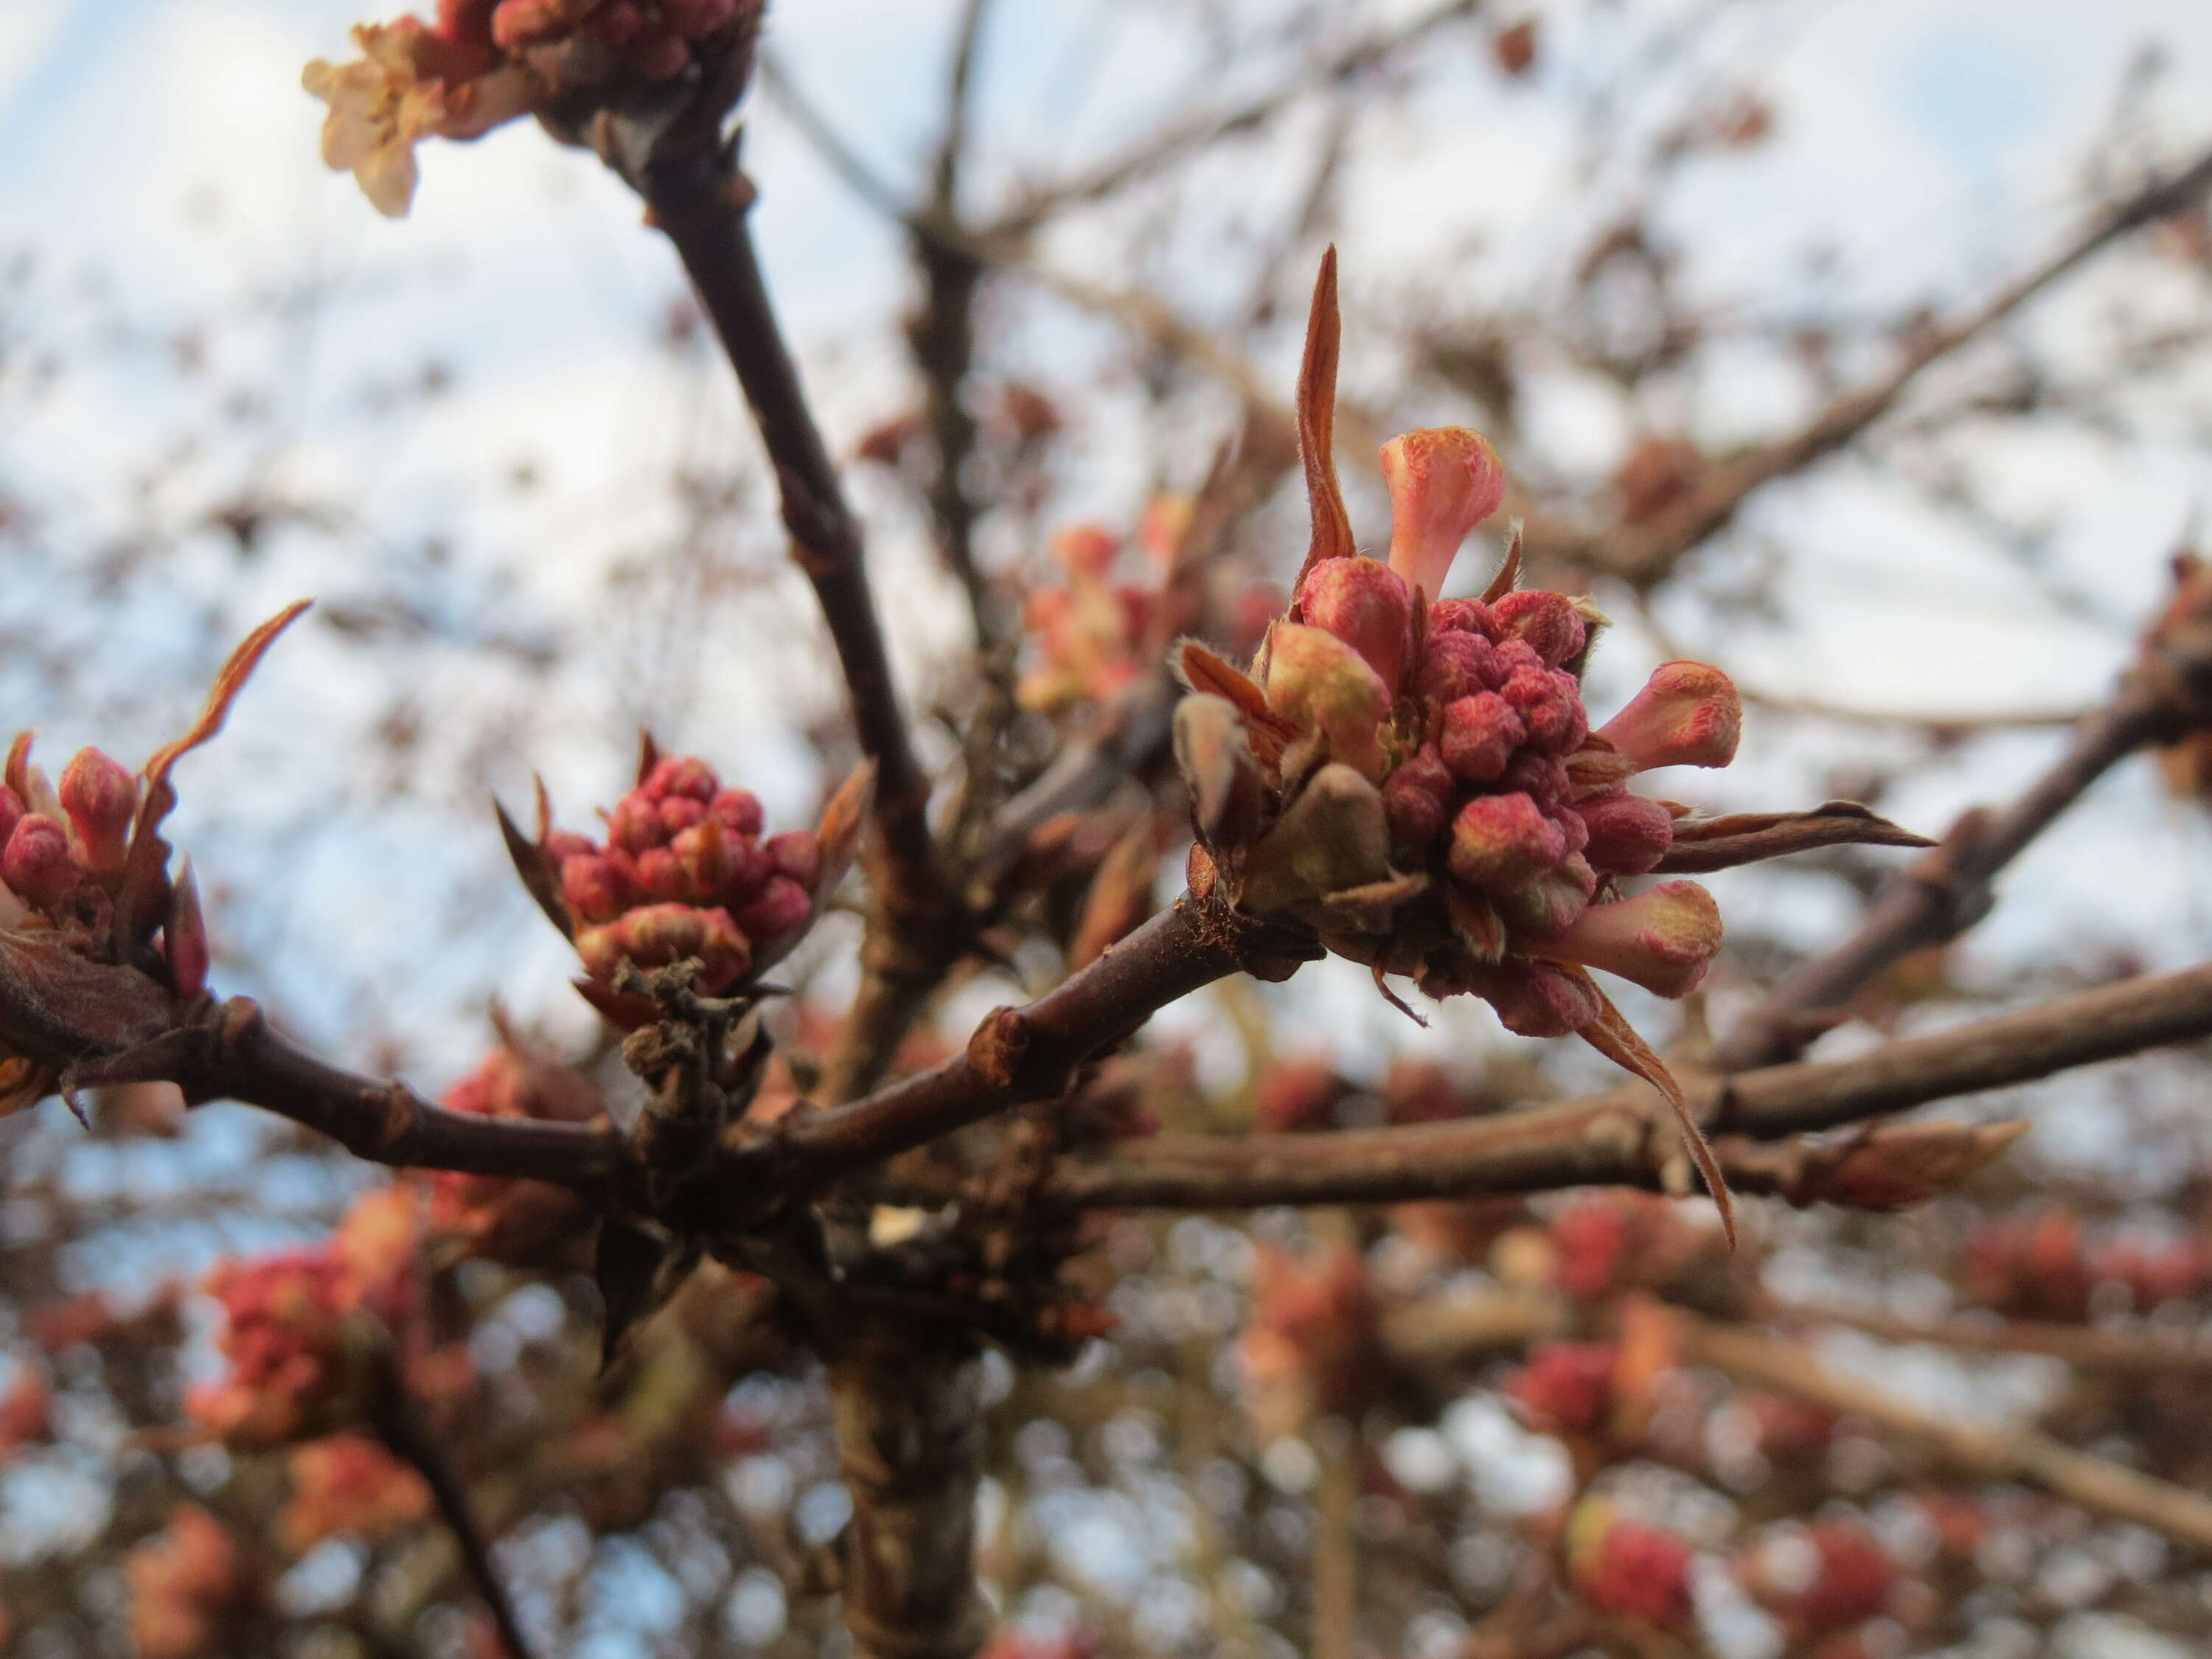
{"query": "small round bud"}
[(739, 810), (1544, 777), (660, 872), (1628, 834), (1549, 622), (1366, 604), (680, 813), (1550, 704), (101, 798), (684, 777), (782, 908), (1417, 801), (594, 886), (1480, 735), (36, 863), (704, 852), (1500, 842), (797, 853), (1462, 616), (634, 824), (1458, 665)]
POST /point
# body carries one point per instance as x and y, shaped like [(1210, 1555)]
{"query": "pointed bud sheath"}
[(101, 799), (1687, 715), (1443, 482), (1417, 801), (1479, 734), (36, 865), (1628, 834), (1333, 837), (1500, 842), (11, 813), (1663, 939), (1366, 604), (1547, 621), (184, 935), (1226, 789), (1318, 683)]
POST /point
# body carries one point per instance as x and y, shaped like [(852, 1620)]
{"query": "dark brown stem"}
[(400, 1428), (1614, 1138), (702, 207), (1033, 1053)]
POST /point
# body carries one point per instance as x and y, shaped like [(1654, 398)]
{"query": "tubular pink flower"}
[(1500, 842), (1687, 715), (1663, 939), (101, 798), (1366, 604), (1480, 735), (1317, 682), (1444, 481)]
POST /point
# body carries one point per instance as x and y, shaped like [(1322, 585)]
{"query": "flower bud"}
[(1624, 1567), (660, 872), (782, 908), (1628, 834), (1566, 1387), (101, 799), (797, 853), (1480, 735), (1542, 777), (36, 865), (1550, 704), (594, 886), (1663, 939), (680, 813), (1503, 841), (1457, 664), (1547, 621), (681, 777), (1462, 616), (704, 853), (1085, 549), (1535, 1000), (1687, 715), (739, 810), (565, 844), (1417, 801), (1366, 604), (1444, 481), (634, 824), (1319, 683), (1549, 905)]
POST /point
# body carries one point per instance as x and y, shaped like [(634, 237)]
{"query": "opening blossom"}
[(1416, 778)]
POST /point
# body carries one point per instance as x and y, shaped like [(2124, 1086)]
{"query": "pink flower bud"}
[(704, 852), (1549, 905), (1550, 702), (1503, 841), (1366, 604), (594, 886), (1318, 683), (750, 865), (684, 777), (661, 873), (1663, 939), (1515, 655), (1535, 1000), (656, 54), (36, 865), (740, 810), (101, 799), (1687, 715), (1085, 549), (1443, 482), (1541, 776), (1457, 664), (782, 908), (797, 853), (1480, 735), (1549, 622), (634, 824), (1567, 1387), (1462, 616), (680, 813), (1417, 801), (1628, 834)]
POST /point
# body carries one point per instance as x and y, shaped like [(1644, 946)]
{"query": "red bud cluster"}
[(1627, 1567), (499, 1217), (2045, 1266), (1567, 1388), (1828, 1576), (684, 873), (349, 1484)]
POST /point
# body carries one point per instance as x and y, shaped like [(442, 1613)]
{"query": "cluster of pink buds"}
[(684, 873), (348, 1483), (481, 62), (2045, 1266), (1414, 779), (1629, 1568), (186, 1583), (503, 1218), (1567, 1388), (301, 1328)]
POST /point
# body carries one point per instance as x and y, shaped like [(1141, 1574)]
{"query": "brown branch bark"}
[(2095, 1484), (2124, 1349), (1615, 1139)]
